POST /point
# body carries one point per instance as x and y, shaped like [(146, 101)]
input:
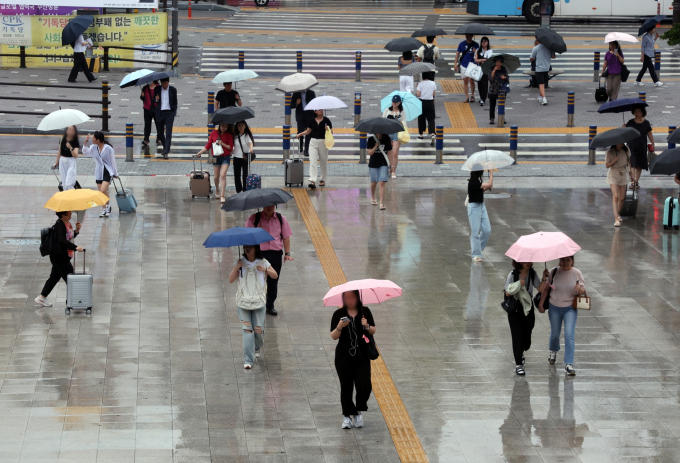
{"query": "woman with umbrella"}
[(613, 64), (618, 162), (483, 53), (318, 152), (638, 147), (149, 106), (480, 227), (69, 147), (222, 135), (497, 79), (396, 112)]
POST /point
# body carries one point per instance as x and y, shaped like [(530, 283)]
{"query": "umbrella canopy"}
[(154, 76), (76, 200), (403, 44), (474, 29), (621, 106), (232, 115), (131, 79), (487, 160), (298, 82), (416, 68), (412, 105), (667, 163), (614, 137), (619, 37), (234, 75), (74, 28), (237, 236), (380, 125), (511, 63), (325, 102), (258, 198), (371, 292), (650, 23), (62, 118), (551, 39), (429, 32), (542, 247), (674, 137)]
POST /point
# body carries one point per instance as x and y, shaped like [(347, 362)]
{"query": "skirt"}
[(639, 159)]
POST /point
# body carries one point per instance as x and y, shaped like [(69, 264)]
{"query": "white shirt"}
[(165, 99), (250, 265), (104, 159), (426, 89), (245, 140), (485, 54), (78, 47), (421, 51)]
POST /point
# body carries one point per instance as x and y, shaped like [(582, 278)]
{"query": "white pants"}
[(406, 84), (67, 171), (317, 153)]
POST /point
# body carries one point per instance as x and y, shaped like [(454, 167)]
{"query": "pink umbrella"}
[(371, 292), (542, 247)]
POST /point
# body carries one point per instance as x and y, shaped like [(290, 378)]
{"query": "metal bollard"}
[(357, 108), (358, 66), (105, 105), (286, 142), (501, 110), (643, 96), (439, 145), (105, 60), (596, 67), (591, 152), (671, 129), (571, 98), (22, 57), (241, 59), (657, 63), (362, 147), (129, 142), (513, 142), (211, 105), (289, 97), (299, 61)]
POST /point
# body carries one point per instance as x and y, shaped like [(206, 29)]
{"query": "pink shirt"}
[(274, 228), (562, 293)]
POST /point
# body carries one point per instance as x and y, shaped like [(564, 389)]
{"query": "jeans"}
[(165, 122), (253, 338), (149, 115), (480, 228), (240, 173), (569, 315), (354, 373), (647, 63), (275, 258)]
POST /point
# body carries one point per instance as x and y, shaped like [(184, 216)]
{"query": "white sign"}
[(142, 4), (15, 30), (150, 54)]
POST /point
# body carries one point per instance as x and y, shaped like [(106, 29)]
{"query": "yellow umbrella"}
[(76, 200)]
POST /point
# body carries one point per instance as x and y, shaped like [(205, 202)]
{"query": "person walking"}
[(149, 106), (405, 82), (79, 61), (60, 254), (105, 165), (396, 112), (251, 297), (613, 64), (497, 78), (69, 147), (647, 58), (484, 52), (227, 97), (276, 225), (566, 282), (542, 56), (243, 146), (638, 147), (318, 152), (298, 102), (428, 53), (521, 282), (465, 54), (425, 92), (224, 135), (480, 227), (378, 147), (617, 161), (352, 364), (166, 110)]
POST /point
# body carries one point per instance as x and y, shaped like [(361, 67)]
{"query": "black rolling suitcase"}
[(601, 93), (630, 203)]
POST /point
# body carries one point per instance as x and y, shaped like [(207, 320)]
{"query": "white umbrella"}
[(131, 79), (619, 37), (298, 82), (234, 75), (62, 118), (325, 102), (487, 160)]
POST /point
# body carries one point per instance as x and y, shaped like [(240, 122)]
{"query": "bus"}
[(531, 9)]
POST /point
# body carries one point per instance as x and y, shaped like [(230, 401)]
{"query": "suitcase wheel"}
[(193, 197), (665, 227), (89, 310), (67, 311)]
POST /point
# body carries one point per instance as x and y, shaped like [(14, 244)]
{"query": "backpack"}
[(251, 293), (278, 216), (47, 244), (428, 54)]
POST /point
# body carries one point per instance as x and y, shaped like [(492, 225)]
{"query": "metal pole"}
[(358, 66), (657, 63), (362, 148), (105, 105), (189, 16), (299, 61), (129, 142), (570, 108), (22, 57), (439, 146), (643, 96), (671, 129), (286, 142), (357, 108), (501, 110), (175, 36), (513, 142), (591, 152), (596, 66), (287, 112), (676, 12), (211, 105), (241, 59)]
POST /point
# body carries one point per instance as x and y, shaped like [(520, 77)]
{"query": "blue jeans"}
[(480, 228), (252, 339), (569, 315)]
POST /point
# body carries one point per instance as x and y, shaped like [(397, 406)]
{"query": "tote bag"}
[(404, 137), (330, 141), (474, 72)]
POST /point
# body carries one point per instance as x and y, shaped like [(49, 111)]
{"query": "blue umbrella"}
[(237, 236), (74, 28), (411, 104), (131, 79), (621, 106), (154, 76)]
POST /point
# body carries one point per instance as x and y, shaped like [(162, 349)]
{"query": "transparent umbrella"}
[(487, 160)]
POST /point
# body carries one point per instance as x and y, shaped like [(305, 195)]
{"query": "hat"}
[(396, 99)]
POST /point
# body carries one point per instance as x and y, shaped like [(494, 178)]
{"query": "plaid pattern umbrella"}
[(416, 68)]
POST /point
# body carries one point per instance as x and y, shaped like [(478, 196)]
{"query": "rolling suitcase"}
[(294, 170), (630, 203), (601, 93), (61, 187), (253, 181), (671, 213), (125, 198), (199, 184), (79, 289)]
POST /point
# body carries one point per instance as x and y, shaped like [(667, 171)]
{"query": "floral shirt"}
[(69, 236), (495, 82)]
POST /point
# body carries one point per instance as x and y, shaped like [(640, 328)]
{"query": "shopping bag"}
[(474, 72), (330, 141), (404, 137)]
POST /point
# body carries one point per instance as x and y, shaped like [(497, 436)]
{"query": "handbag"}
[(505, 88), (581, 302), (404, 136), (330, 141), (249, 156), (509, 304), (217, 149), (624, 73), (371, 349), (474, 71)]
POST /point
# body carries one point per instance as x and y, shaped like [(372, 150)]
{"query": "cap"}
[(396, 99)]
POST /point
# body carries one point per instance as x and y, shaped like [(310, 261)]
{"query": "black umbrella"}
[(74, 28), (551, 39), (621, 106), (256, 199), (667, 163), (674, 137), (650, 23), (403, 44), (475, 29), (155, 76), (511, 63), (380, 125), (232, 115), (614, 137), (429, 32)]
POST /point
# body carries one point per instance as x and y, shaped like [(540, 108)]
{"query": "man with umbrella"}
[(166, 110), (647, 57), (298, 102), (227, 97), (542, 56)]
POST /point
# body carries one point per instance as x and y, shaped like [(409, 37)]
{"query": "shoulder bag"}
[(510, 303), (249, 156), (380, 147), (371, 349), (542, 300), (624, 73), (404, 136), (474, 71)]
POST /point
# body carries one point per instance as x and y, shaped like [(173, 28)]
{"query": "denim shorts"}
[(394, 136), (378, 174), (220, 160)]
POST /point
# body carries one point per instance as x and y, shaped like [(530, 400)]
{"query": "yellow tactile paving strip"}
[(452, 86), (403, 433), (460, 115)]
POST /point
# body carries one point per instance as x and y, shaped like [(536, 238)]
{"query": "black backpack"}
[(278, 216), (47, 235), (428, 54)]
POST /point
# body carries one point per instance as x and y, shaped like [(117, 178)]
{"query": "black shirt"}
[(319, 128), (351, 336), (639, 145), (65, 152), (377, 159), (475, 192), (226, 98)]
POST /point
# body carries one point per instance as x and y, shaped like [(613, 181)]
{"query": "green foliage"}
[(672, 35)]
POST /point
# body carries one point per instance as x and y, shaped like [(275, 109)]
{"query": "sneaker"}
[(570, 370), (145, 142), (103, 214), (544, 102), (358, 421), (658, 84), (639, 84), (247, 366), (257, 354), (432, 139), (476, 259), (524, 361), (158, 142), (42, 301), (481, 103), (420, 137), (539, 99), (519, 369), (552, 357), (346, 423)]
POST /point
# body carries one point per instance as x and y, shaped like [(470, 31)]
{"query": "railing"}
[(105, 59)]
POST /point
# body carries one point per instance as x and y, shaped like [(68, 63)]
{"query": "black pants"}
[(149, 115), (276, 259), (164, 123), (483, 86), (79, 64), (492, 106), (240, 173), (521, 327), (647, 63), (60, 269), (354, 373), (302, 125), (427, 115)]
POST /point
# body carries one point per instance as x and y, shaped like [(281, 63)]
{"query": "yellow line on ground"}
[(460, 115), (452, 86), (466, 124), (406, 441)]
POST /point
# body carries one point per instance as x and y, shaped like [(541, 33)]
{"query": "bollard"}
[(658, 7), (657, 63), (189, 16), (596, 67), (299, 61), (671, 129), (513, 142), (105, 105), (643, 96), (286, 142), (22, 57), (211, 105), (241, 59), (357, 108), (439, 146), (289, 97), (570, 108), (129, 142), (358, 66), (591, 152), (105, 60), (501, 110), (362, 147)]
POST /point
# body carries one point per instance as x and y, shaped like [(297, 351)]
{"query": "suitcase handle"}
[(200, 163), (74, 261), (122, 188)]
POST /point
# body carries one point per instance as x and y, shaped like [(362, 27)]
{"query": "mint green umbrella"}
[(412, 105)]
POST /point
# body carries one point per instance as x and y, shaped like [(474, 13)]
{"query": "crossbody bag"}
[(380, 147), (249, 156)]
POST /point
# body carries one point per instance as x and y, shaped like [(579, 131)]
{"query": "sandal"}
[(619, 218), (492, 122), (472, 100), (222, 199), (312, 185), (382, 207), (322, 183), (394, 175), (374, 202), (617, 224)]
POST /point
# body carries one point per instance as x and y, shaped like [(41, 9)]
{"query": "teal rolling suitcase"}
[(671, 214)]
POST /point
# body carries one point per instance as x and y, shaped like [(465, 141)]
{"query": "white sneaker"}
[(346, 423), (570, 370), (476, 259), (552, 357), (658, 84), (358, 421), (544, 102), (43, 302), (104, 213), (247, 366), (257, 354), (639, 84), (539, 99)]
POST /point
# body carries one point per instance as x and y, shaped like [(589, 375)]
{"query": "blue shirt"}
[(468, 57), (648, 45)]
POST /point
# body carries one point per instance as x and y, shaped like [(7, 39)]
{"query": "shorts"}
[(394, 136), (105, 178), (378, 174), (542, 78), (462, 71), (221, 160)]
